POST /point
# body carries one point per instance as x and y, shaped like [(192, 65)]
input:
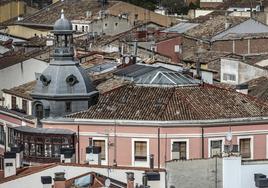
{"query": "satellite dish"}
[(127, 60), (229, 136), (107, 182)]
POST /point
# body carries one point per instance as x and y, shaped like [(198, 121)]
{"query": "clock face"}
[(127, 60)]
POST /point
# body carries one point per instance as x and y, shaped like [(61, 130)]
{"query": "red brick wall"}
[(222, 46), (167, 48), (259, 46), (241, 46)]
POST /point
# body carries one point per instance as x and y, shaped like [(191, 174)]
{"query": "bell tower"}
[(63, 39), (64, 87)]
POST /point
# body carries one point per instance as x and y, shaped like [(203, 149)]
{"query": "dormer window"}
[(45, 80), (71, 80)]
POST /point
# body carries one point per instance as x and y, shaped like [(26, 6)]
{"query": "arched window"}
[(39, 111)]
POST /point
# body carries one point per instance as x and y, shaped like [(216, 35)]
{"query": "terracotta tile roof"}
[(213, 26), (258, 88), (13, 58), (73, 9), (23, 91), (180, 103)]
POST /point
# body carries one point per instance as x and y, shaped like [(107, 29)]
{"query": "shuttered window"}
[(13, 102), (140, 150), (244, 145), (215, 148), (179, 147)]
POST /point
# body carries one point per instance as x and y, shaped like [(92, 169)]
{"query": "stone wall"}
[(201, 173)]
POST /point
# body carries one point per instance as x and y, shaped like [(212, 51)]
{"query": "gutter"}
[(179, 123)]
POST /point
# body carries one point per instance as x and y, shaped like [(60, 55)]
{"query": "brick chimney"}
[(59, 180), (130, 179)]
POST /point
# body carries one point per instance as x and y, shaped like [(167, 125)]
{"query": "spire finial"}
[(62, 14)]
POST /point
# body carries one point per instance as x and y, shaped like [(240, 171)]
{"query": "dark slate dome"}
[(64, 86), (62, 24)]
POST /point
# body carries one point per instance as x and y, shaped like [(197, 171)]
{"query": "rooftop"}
[(74, 9), (258, 88), (173, 103), (23, 90), (27, 129), (180, 28), (214, 26)]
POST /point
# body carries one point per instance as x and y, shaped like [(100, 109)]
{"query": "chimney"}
[(242, 88), (151, 161), (144, 180), (19, 155), (130, 179), (93, 155), (59, 180), (46, 181), (9, 164), (67, 155)]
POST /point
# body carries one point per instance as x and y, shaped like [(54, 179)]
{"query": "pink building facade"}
[(198, 139)]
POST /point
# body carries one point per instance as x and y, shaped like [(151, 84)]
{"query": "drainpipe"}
[(203, 155), (158, 157), (78, 141)]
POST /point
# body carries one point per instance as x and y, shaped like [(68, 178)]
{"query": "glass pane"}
[(141, 150), (244, 145)]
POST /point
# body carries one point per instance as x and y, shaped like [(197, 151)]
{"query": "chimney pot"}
[(59, 180), (130, 179)]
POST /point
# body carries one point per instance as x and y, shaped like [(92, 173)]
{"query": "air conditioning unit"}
[(175, 155)]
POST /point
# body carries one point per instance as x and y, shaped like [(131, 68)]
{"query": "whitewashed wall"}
[(8, 102), (21, 73), (34, 180)]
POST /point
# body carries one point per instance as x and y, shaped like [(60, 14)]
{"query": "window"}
[(116, 24), (76, 27), (229, 77), (177, 48), (215, 148), (154, 48), (24, 106), (100, 143), (106, 25), (179, 150), (2, 135), (68, 107), (13, 102), (140, 151), (83, 28), (245, 147), (9, 164), (39, 111)]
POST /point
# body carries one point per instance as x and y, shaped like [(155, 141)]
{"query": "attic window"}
[(71, 80), (45, 80)]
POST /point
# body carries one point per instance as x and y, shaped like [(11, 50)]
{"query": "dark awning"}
[(27, 129)]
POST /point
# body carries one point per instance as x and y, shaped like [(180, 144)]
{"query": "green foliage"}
[(172, 6)]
